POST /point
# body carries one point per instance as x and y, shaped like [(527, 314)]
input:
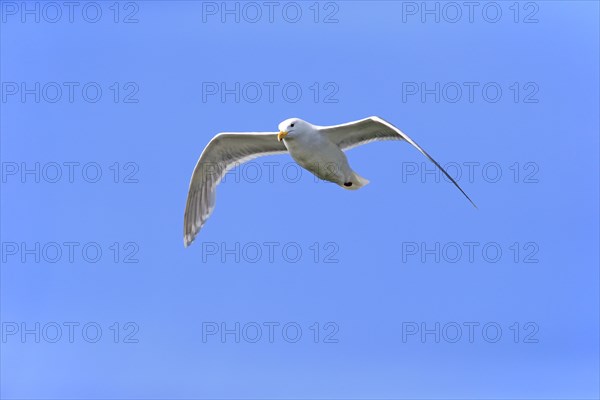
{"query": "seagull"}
[(319, 149)]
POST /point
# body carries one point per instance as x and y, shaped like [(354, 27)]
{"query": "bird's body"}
[(316, 153), (319, 149)]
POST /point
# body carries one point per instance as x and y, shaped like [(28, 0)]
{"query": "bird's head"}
[(291, 128)]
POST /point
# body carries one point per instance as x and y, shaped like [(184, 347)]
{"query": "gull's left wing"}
[(223, 152), (356, 133)]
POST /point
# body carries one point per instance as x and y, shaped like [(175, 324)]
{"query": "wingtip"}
[(468, 198)]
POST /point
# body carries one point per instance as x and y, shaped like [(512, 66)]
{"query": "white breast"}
[(316, 153)]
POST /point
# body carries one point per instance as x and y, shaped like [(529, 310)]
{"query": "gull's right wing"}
[(371, 129)]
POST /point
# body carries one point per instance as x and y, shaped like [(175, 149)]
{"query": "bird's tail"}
[(357, 182)]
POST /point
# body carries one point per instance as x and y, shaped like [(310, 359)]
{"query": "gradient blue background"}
[(370, 292)]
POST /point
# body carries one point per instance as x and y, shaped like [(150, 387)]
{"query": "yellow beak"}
[(281, 135)]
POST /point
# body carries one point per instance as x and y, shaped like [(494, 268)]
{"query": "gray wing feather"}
[(352, 134), (223, 152)]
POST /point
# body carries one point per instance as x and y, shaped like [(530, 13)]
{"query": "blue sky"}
[(297, 288)]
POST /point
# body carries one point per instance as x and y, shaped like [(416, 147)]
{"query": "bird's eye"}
[(292, 125)]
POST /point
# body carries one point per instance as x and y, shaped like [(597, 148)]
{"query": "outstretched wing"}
[(367, 130), (222, 153)]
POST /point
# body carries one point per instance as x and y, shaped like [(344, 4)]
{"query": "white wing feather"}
[(222, 153), (371, 129)]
